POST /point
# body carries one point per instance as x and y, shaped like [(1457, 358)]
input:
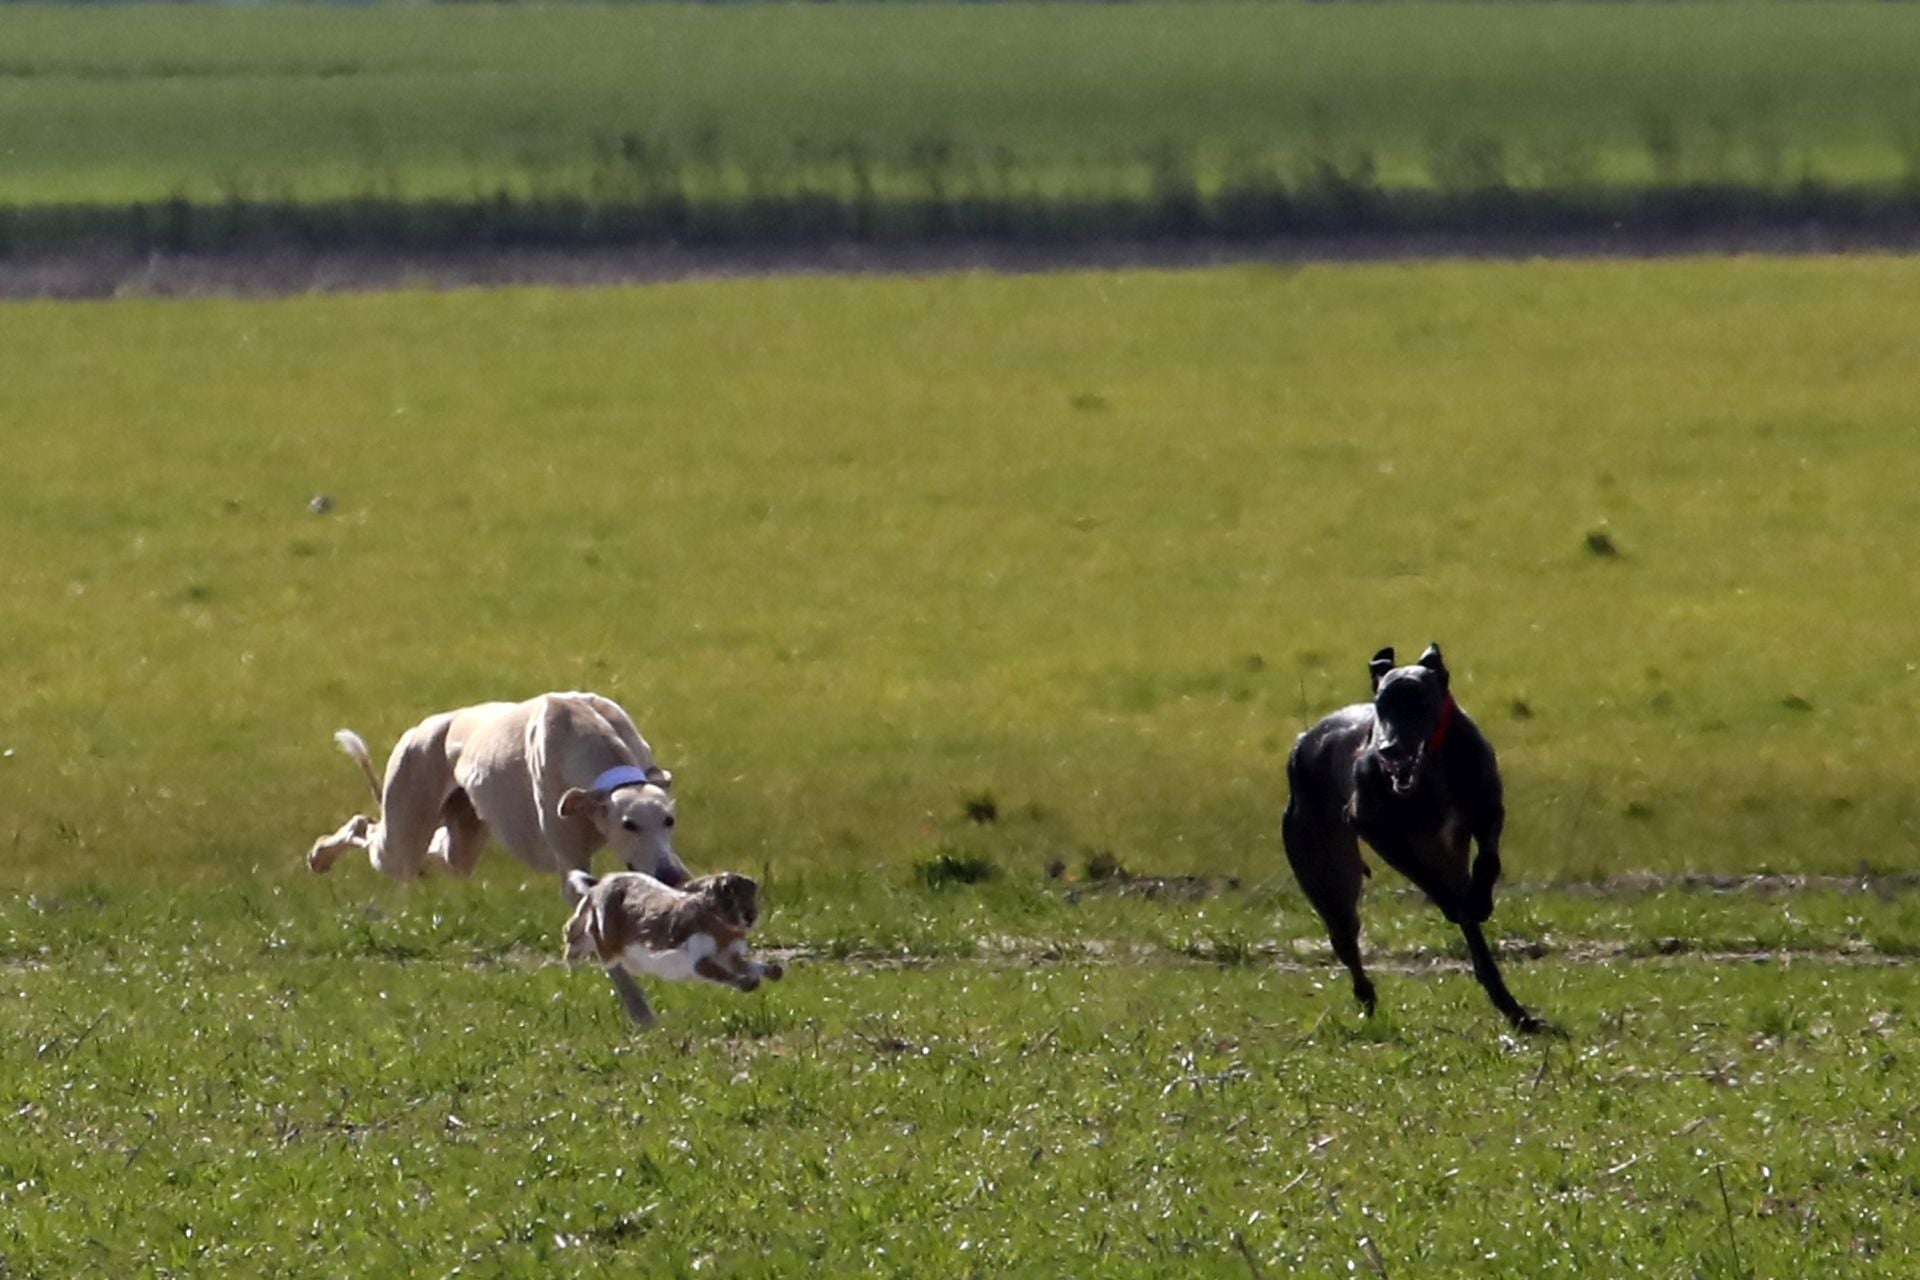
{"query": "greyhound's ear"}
[(588, 803), (661, 778), (1381, 663), (1432, 660)]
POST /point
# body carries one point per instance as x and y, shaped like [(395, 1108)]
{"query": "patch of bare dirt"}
[(1881, 884)]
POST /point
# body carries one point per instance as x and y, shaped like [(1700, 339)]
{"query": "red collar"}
[(1439, 737)]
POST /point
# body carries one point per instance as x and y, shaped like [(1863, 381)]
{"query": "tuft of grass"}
[(981, 808), (949, 868)]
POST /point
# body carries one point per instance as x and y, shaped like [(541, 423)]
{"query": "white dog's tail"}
[(350, 742)]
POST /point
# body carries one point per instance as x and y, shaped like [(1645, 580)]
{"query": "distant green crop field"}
[(114, 104), (1098, 546)]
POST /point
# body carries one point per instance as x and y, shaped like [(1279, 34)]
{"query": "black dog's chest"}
[(1424, 812)]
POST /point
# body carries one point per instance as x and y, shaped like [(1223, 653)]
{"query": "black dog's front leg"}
[(1459, 909), (1486, 869), (1487, 972)]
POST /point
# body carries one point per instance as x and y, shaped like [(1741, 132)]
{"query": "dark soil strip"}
[(1309, 959), (1036, 952), (1639, 884), (1884, 885), (110, 272)]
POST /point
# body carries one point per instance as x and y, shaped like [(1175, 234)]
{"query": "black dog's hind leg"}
[(1487, 972), (1326, 861)]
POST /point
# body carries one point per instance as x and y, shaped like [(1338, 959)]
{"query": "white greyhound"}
[(554, 779)]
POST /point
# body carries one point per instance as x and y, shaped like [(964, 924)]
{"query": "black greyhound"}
[(1411, 775)]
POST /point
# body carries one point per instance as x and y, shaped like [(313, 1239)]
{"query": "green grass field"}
[(1098, 545), (904, 120), (858, 553)]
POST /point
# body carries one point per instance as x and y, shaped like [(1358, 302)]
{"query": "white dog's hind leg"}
[(419, 780), (418, 784), (327, 849)]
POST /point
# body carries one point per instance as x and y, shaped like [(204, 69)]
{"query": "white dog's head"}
[(632, 809)]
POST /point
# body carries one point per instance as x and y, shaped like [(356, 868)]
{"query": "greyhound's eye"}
[(629, 824), (669, 821)]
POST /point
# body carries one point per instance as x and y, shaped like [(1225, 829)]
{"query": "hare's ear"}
[(1381, 663), (581, 944)]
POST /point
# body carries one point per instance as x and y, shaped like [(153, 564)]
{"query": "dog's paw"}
[(774, 971), (327, 850), (747, 982)]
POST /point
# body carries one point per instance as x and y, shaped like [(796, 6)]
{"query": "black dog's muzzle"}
[(1402, 766)]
